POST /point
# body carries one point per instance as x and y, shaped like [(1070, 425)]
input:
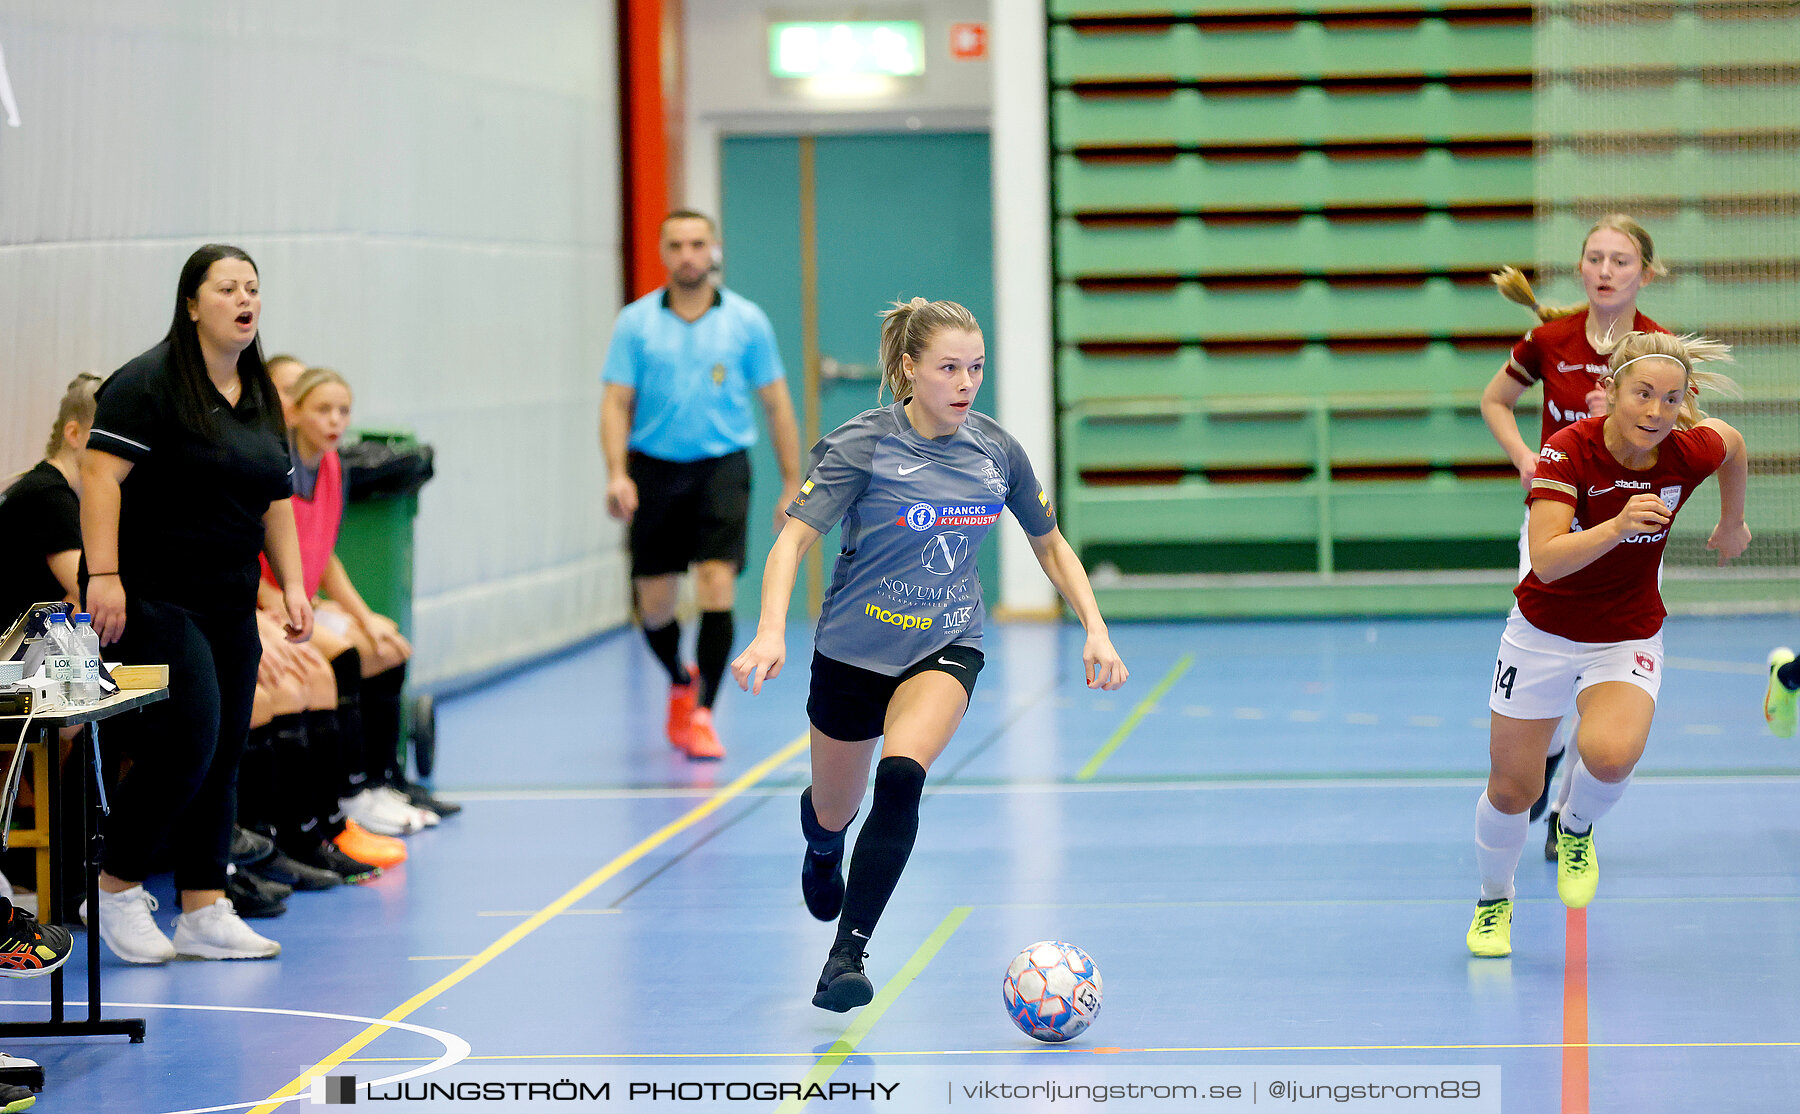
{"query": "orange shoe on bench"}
[(682, 699), (359, 843), (703, 741)]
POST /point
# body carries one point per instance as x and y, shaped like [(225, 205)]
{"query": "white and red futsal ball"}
[(1052, 991)]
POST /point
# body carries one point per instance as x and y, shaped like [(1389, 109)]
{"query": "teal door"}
[(892, 216)]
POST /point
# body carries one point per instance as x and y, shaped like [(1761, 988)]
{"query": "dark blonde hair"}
[(77, 405), (312, 379), (1515, 287), (906, 328), (1685, 350)]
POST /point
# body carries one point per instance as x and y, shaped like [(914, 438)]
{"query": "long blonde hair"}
[(77, 405), (1515, 287), (312, 379), (1685, 350), (906, 328)]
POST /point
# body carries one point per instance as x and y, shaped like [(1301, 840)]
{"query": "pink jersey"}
[(1558, 353), (1615, 598), (316, 520)]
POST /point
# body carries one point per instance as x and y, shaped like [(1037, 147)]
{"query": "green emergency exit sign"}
[(892, 48)]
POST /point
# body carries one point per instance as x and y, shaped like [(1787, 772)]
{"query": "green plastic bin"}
[(376, 540)]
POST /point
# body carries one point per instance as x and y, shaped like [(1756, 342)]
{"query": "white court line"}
[(456, 1049)]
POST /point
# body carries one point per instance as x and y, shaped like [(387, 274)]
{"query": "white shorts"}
[(1537, 675)]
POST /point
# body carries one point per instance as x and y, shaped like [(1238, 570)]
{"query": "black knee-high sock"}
[(882, 847), (381, 725), (328, 771), (714, 652), (346, 668), (296, 817), (823, 844), (665, 643), (259, 779)]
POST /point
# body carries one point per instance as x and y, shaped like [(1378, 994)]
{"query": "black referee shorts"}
[(688, 511), (849, 702)]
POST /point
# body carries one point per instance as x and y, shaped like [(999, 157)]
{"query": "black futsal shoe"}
[(326, 856), (420, 797), (1543, 801), (822, 884), (842, 985), (250, 847), (299, 875), (1550, 839), (252, 897)]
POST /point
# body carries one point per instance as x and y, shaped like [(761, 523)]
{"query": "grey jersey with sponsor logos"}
[(915, 510)]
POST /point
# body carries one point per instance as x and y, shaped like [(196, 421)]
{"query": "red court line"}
[(1575, 1014)]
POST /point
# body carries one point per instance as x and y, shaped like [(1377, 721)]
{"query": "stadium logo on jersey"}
[(944, 553), (1671, 496), (923, 516), (1592, 369)]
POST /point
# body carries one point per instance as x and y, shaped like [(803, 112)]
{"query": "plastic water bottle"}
[(85, 688), (59, 661)]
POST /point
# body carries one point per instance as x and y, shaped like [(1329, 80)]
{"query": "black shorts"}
[(850, 703), (688, 511)]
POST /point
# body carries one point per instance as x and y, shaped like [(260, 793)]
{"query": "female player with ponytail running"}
[(1567, 353), (916, 484), (1587, 629)]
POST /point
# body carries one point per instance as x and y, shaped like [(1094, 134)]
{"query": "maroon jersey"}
[(1615, 598), (1558, 354)]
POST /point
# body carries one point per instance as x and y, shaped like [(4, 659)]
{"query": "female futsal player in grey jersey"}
[(916, 485)]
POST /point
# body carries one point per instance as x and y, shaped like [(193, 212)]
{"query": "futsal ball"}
[(1052, 991)]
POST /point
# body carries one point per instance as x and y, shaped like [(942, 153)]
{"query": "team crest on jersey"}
[(991, 476), (944, 553), (718, 375), (1671, 496), (1645, 661)]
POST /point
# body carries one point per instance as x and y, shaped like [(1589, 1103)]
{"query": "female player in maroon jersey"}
[(1567, 353), (1587, 628)]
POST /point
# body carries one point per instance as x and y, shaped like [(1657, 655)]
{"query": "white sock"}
[(1589, 798), (1499, 840), (1571, 755)]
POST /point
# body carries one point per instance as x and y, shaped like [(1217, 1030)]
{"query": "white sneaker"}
[(216, 932), (128, 927), (424, 816), (374, 811)]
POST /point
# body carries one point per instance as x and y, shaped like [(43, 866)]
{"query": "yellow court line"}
[(1065, 1050), (1148, 705), (542, 917), (865, 1021)]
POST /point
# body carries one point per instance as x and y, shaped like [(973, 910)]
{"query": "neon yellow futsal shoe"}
[(1490, 935), (1778, 699), (1577, 869)]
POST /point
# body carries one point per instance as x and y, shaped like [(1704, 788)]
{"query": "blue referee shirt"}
[(694, 380)]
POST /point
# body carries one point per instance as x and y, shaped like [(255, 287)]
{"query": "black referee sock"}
[(882, 848), (717, 629), (665, 643)]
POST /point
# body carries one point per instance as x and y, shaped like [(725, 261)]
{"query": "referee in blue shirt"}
[(676, 426)]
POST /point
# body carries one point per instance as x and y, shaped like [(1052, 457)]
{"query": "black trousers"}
[(181, 790)]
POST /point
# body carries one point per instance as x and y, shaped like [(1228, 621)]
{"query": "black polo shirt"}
[(39, 516), (191, 511)]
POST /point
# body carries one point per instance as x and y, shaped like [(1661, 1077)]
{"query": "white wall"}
[(430, 190)]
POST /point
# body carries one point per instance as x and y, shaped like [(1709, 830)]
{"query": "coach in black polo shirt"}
[(185, 481)]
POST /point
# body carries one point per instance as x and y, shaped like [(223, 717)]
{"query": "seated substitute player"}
[(916, 484), (1587, 628)]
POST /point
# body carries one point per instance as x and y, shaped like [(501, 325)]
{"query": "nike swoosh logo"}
[(1593, 491), (947, 661), (1645, 676), (914, 468), (859, 934)]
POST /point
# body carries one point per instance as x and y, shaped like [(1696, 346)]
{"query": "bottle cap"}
[(83, 617), (59, 617)]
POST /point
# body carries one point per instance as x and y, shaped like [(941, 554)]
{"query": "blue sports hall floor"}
[(1264, 840)]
